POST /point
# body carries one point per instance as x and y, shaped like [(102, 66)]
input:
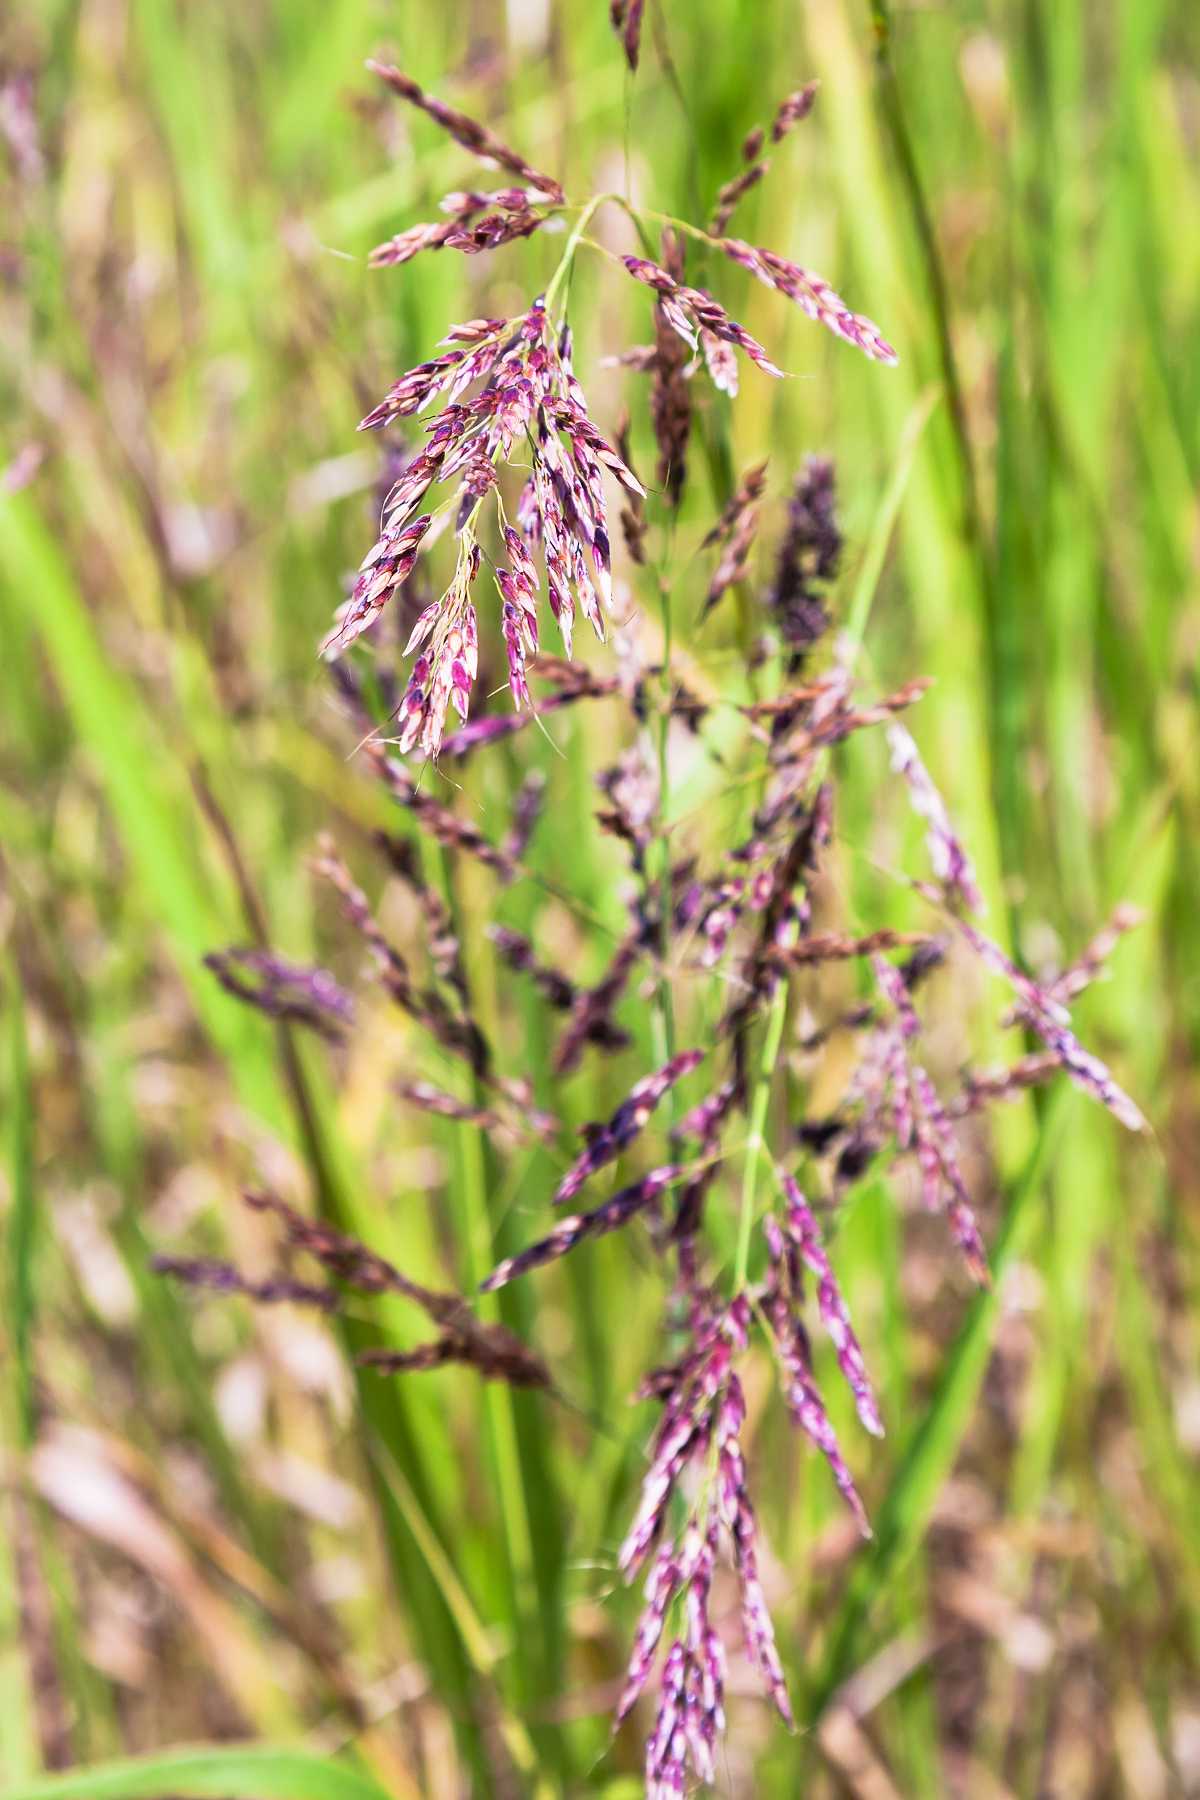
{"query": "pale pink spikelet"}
[(1049, 1019), (939, 1156), (813, 295), (738, 1514), (694, 310), (951, 864), (721, 363)]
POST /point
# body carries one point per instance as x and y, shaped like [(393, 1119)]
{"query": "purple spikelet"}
[(806, 1235), (614, 1213), (606, 1142), (951, 864)]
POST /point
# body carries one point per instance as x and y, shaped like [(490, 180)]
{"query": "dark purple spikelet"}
[(467, 131), (808, 558), (920, 1119), (431, 1099), (951, 864), (527, 810), (735, 531), (670, 393), (223, 1278), (518, 952), (284, 989), (461, 209), (793, 109), (452, 832), (493, 230), (748, 493), (606, 1142), (614, 1213), (938, 1157), (706, 1117), (592, 1008)]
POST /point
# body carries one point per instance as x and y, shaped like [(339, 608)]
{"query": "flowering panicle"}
[(753, 929), (529, 395)]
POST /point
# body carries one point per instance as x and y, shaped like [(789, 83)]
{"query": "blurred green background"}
[(212, 1532)]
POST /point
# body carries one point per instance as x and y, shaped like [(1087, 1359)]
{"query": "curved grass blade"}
[(249, 1771)]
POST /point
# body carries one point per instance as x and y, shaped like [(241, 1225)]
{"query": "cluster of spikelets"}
[(503, 391)]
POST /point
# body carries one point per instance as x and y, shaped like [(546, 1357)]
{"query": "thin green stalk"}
[(563, 270), (664, 1014), (759, 1105)]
